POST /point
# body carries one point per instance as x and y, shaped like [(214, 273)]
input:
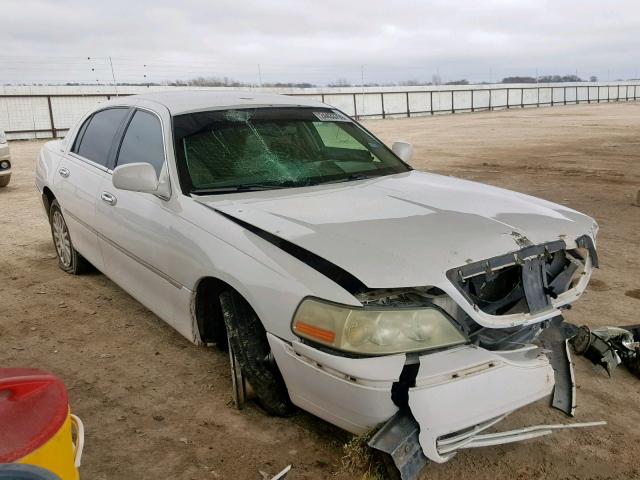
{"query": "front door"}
[(134, 227)]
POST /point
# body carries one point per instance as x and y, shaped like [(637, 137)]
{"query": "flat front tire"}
[(69, 259), (249, 345)]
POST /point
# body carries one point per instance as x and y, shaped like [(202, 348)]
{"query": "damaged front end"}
[(437, 372), (454, 396)]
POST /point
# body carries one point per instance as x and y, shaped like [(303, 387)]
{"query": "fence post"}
[(522, 97), (508, 98), (322, 97), (453, 108), (564, 95), (490, 99), (538, 96), (577, 101), (472, 101), (408, 109), (54, 134), (431, 100), (382, 102), (355, 108)]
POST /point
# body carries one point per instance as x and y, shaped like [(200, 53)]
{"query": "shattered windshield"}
[(266, 148)]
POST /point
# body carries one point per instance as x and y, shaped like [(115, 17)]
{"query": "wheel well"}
[(47, 199), (208, 311)]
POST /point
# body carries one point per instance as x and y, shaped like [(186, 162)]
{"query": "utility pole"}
[(113, 75), (362, 85)]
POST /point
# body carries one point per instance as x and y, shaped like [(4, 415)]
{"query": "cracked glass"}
[(267, 148)]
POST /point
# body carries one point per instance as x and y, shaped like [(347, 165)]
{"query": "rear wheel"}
[(4, 180), (69, 259), (250, 349)]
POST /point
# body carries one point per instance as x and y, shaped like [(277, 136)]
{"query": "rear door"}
[(80, 175)]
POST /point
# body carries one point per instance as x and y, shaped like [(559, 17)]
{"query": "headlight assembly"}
[(375, 330), (4, 164)]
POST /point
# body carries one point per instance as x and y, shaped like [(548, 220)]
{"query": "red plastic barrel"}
[(33, 408)]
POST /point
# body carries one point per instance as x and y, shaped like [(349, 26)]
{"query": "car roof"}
[(186, 101)]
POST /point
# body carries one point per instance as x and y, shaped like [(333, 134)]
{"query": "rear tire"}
[(248, 341), (69, 259), (4, 180)]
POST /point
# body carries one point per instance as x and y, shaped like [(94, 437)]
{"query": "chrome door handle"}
[(64, 173), (108, 198)]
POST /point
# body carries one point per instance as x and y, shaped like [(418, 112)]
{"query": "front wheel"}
[(4, 180), (69, 259), (250, 349)]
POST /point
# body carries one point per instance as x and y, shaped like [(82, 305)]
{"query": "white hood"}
[(407, 229)]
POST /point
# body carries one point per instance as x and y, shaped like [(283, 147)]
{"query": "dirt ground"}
[(155, 406)]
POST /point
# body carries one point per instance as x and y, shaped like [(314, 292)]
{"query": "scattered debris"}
[(609, 346), (278, 476), (398, 441)]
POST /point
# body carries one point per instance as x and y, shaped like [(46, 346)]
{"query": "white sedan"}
[(345, 282), (5, 161)]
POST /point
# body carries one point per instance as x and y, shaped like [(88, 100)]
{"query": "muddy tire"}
[(248, 340), (69, 259), (4, 180)]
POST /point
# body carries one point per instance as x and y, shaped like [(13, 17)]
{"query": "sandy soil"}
[(156, 406)]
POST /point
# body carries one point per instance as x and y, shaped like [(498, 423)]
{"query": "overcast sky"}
[(316, 41)]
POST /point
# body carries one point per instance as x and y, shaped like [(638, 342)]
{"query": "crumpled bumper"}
[(472, 388), (458, 394)]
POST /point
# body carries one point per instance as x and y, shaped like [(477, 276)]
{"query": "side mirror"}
[(404, 150), (136, 177)]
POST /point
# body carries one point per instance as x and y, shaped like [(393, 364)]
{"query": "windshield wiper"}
[(350, 178), (251, 187)]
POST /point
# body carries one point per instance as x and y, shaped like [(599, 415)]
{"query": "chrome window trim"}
[(89, 162)]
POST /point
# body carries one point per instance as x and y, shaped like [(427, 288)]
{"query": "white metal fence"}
[(45, 112)]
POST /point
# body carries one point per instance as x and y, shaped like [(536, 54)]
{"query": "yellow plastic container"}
[(59, 454), (37, 427)]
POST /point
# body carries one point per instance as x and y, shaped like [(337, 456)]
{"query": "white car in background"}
[(5, 161), (344, 281)]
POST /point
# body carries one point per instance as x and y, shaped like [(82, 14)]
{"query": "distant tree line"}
[(548, 79), (340, 82)]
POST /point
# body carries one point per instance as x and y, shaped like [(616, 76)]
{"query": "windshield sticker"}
[(332, 116)]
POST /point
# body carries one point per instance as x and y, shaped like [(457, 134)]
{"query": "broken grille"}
[(525, 281)]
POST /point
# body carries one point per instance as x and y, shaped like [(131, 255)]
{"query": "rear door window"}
[(142, 141), (99, 135)]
